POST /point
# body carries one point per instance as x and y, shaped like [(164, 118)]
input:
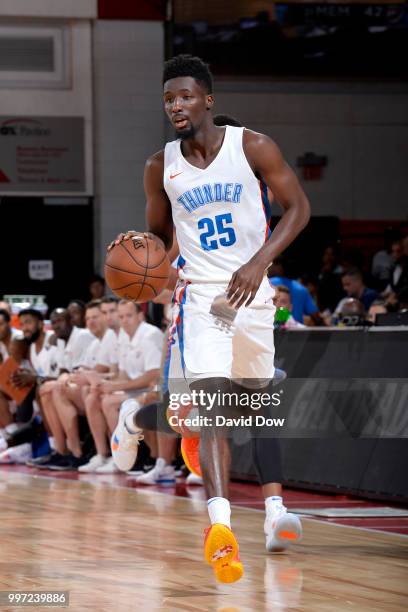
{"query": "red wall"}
[(367, 235), (149, 10)]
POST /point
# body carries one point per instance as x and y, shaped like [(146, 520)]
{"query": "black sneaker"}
[(43, 461), (65, 463)]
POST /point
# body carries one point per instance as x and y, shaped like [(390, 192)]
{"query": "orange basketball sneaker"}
[(190, 450), (222, 553)]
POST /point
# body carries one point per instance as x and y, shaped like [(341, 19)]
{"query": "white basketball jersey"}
[(221, 214)]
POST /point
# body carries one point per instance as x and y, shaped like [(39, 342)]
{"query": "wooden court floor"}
[(119, 549)]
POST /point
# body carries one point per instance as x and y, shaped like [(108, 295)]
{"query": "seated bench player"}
[(69, 355), (139, 361)]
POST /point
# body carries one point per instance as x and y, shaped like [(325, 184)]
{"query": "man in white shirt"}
[(38, 365), (109, 308), (70, 394), (139, 359), (32, 326), (70, 353)]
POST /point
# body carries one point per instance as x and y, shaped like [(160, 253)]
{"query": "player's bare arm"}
[(265, 158), (158, 208)]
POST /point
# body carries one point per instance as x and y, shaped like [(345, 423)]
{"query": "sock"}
[(274, 504), (219, 511), (130, 406), (51, 442), (160, 463)]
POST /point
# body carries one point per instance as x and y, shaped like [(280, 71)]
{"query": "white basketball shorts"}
[(212, 343)]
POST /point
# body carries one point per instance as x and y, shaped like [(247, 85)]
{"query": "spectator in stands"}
[(383, 261), (351, 259), (354, 287), (330, 289), (301, 299), (282, 300), (139, 368), (403, 299), (399, 272), (97, 287), (309, 281), (72, 343), (351, 313), (377, 307), (76, 310)]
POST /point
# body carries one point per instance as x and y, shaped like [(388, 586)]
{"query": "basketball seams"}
[(143, 273), (145, 270), (142, 287), (147, 258), (138, 263), (160, 262), (128, 285), (129, 253), (107, 265), (133, 273)]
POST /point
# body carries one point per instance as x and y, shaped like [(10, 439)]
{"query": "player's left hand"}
[(244, 284)]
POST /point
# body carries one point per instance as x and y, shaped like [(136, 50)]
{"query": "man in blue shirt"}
[(354, 286), (302, 302)]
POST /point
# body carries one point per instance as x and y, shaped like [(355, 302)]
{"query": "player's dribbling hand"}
[(131, 234), (244, 284)]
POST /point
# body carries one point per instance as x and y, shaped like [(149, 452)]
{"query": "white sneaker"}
[(124, 443), (109, 467), (282, 529), (161, 474), (17, 454), (11, 429), (3, 444), (193, 479), (93, 464)]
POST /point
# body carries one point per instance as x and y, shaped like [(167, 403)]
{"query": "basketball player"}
[(265, 450), (205, 182)]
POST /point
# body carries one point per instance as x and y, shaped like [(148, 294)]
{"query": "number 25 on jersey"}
[(222, 234)]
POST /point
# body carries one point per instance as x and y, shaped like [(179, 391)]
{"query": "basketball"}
[(137, 269), (179, 418)]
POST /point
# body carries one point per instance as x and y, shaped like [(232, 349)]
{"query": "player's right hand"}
[(133, 234), (123, 236)]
